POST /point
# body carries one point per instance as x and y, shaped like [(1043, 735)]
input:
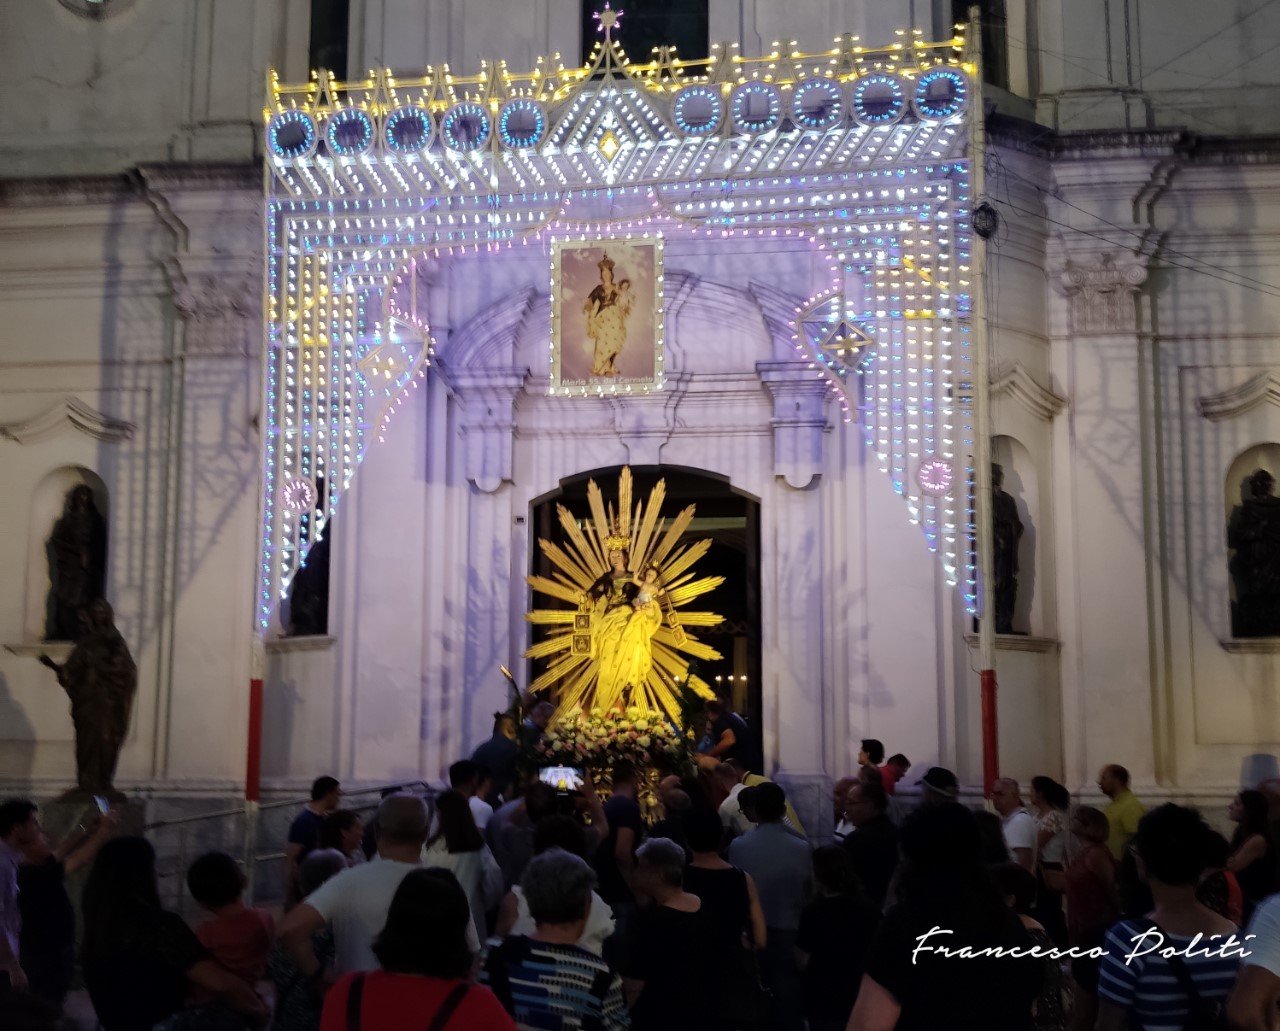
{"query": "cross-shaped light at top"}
[(609, 20)]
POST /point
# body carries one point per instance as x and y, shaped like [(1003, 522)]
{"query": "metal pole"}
[(257, 645), (982, 423)]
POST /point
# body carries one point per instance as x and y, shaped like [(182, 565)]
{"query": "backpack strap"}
[(451, 1003), (1181, 973), (355, 995)]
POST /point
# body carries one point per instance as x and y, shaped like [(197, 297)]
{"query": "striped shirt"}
[(554, 987), (1148, 987)]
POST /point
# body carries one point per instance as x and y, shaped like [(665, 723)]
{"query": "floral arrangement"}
[(597, 740)]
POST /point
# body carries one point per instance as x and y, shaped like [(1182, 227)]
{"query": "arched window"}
[(682, 24), (1017, 522), (64, 563), (1253, 529), (995, 37)]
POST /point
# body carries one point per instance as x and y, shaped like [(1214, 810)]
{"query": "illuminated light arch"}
[(886, 321)]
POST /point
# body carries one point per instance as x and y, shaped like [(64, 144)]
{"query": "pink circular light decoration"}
[(935, 476), (299, 495)]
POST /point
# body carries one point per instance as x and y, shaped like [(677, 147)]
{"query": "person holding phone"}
[(48, 916)]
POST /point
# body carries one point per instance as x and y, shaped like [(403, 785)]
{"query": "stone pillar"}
[(792, 575)]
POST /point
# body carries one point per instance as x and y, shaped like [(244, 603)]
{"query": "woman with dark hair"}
[(1052, 803), (908, 984), (733, 914), (1020, 887), (1149, 959), (141, 962), (426, 968), (1253, 851), (456, 845), (344, 830), (831, 945), (1093, 905)]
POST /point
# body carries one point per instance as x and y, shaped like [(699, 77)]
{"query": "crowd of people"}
[(503, 902)]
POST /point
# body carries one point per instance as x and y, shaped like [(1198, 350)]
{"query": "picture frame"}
[(607, 315)]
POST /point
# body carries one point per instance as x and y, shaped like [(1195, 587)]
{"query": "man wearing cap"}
[(939, 785), (781, 864)]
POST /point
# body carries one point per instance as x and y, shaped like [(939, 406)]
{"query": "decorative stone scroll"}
[(1101, 296)]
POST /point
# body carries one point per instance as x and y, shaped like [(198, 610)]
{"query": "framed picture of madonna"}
[(606, 315)]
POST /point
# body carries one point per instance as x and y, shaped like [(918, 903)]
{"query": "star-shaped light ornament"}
[(381, 364), (609, 20)]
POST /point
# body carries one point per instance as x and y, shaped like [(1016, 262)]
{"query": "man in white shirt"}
[(355, 902), (1019, 825)]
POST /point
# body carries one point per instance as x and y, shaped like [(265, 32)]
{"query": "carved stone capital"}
[(1100, 295), (486, 400), (799, 420), (221, 307)]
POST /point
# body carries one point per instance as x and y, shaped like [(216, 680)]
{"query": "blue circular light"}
[(466, 127), (755, 107), (698, 110), (291, 134), (407, 130), (349, 132), (941, 93), (817, 104), (879, 99), (522, 123)]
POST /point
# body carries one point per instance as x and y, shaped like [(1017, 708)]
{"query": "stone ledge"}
[(316, 643), (1019, 643), (58, 651), (1252, 645)]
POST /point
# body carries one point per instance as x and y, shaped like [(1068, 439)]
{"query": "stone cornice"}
[(1011, 379), (38, 191), (68, 412), (1262, 388)]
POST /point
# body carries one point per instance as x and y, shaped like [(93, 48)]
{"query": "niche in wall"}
[(1023, 485), (48, 505), (1253, 544)]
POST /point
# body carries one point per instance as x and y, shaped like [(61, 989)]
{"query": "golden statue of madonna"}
[(625, 642)]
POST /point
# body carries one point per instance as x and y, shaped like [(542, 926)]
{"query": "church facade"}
[(238, 345)]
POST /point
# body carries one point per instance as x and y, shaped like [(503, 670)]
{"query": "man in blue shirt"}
[(781, 864)]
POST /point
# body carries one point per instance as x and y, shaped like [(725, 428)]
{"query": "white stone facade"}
[(1133, 307)]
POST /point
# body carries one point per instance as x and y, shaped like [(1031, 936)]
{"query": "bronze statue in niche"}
[(77, 551), (1006, 533), (1253, 532)]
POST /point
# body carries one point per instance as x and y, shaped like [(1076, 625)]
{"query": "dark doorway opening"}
[(731, 520)]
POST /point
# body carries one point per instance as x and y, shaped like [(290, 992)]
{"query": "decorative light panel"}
[(451, 168)]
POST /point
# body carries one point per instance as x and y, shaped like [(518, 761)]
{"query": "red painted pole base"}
[(990, 733), (253, 765)]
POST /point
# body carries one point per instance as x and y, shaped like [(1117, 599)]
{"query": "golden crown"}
[(616, 541), (605, 263)]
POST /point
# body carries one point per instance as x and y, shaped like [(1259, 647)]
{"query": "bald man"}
[(356, 901)]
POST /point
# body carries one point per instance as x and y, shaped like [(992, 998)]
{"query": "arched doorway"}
[(731, 519)]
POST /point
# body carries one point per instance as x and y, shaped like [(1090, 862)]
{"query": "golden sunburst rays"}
[(599, 654)]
